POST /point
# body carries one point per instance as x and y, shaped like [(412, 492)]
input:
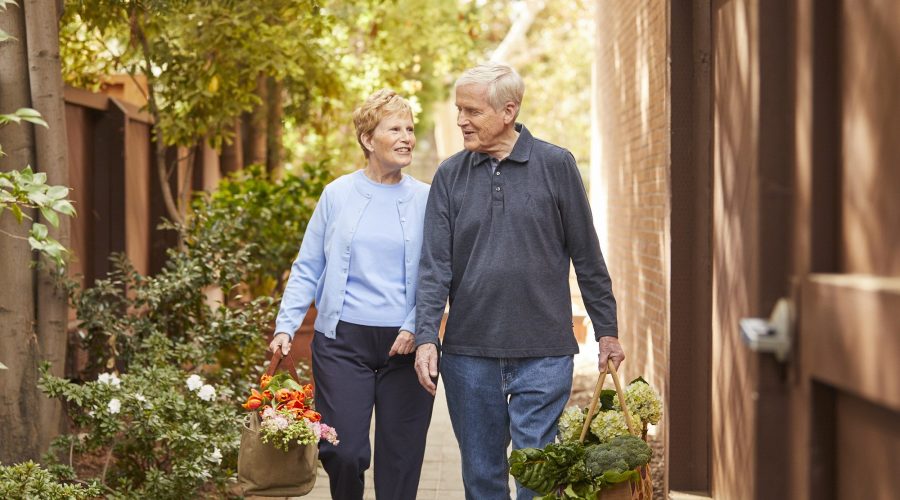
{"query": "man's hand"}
[(405, 343), (427, 366), (283, 341), (610, 349)]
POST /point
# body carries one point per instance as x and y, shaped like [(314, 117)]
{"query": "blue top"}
[(321, 270), (376, 285)]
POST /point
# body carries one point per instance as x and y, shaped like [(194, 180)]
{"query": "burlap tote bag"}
[(263, 469)]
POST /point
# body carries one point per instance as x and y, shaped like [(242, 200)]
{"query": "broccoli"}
[(620, 454)]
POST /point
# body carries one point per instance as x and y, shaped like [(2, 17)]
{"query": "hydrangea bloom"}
[(194, 382), (609, 424), (570, 424), (114, 406), (643, 402), (207, 392)]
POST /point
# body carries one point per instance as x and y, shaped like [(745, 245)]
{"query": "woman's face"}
[(392, 142)]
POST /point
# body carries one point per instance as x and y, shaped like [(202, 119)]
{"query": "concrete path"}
[(441, 477), (441, 473)]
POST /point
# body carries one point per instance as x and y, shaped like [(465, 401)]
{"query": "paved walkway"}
[(441, 476)]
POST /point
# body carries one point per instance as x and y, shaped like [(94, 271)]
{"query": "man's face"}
[(482, 126)]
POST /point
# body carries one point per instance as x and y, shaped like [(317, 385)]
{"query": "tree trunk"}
[(256, 129), (19, 395), (51, 155), (273, 139), (232, 158)]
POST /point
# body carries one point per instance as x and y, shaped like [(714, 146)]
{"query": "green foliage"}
[(165, 436), (544, 470), (28, 481), (262, 217), (24, 190), (202, 59), (4, 36), (621, 454)]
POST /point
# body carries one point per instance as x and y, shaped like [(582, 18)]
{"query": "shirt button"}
[(403, 219), (497, 188), (497, 173)]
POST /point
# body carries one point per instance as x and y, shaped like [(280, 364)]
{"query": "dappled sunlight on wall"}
[(870, 104), (735, 235), (631, 144)]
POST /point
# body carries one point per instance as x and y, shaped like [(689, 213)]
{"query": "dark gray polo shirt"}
[(498, 244)]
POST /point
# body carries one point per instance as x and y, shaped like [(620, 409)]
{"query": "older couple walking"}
[(494, 234)]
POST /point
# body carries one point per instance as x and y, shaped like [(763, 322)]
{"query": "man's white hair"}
[(503, 84)]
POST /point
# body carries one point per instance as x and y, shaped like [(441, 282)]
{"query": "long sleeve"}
[(300, 290), (584, 249), (435, 273)]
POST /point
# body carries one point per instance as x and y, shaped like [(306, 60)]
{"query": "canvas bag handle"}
[(611, 369), (285, 361)]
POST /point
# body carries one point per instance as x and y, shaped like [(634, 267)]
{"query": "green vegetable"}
[(612, 461), (545, 470)]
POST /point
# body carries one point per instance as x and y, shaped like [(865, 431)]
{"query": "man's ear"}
[(509, 112)]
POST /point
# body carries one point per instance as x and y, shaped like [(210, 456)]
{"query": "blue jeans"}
[(494, 399)]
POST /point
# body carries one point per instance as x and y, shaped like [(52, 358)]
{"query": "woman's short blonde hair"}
[(503, 84), (381, 104)]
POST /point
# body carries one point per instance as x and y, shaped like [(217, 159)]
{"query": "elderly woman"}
[(359, 261)]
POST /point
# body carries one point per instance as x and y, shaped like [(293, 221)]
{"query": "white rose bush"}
[(163, 433)]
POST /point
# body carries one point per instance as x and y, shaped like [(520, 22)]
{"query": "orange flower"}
[(282, 395), (312, 416), (266, 395), (254, 401), (264, 381)]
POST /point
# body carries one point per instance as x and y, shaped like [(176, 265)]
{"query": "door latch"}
[(771, 335)]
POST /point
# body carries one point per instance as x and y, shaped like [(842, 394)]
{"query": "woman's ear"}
[(367, 142)]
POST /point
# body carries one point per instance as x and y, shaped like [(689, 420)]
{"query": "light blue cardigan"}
[(320, 270)]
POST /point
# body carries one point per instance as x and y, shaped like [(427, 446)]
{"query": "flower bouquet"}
[(286, 414), (279, 442), (601, 456)]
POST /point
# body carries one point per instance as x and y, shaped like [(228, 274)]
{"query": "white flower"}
[(207, 392), (140, 397), (215, 456), (109, 379), (114, 406), (194, 382)]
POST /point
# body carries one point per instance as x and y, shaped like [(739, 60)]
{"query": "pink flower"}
[(329, 434)]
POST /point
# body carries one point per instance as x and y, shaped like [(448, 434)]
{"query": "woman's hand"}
[(282, 341), (405, 343)]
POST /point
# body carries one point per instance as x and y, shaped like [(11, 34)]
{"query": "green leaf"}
[(3, 367), (50, 216), (6, 3), (13, 117), (64, 207), (4, 36), (607, 398), (39, 231), (40, 199), (17, 211), (36, 244), (613, 477), (58, 192)]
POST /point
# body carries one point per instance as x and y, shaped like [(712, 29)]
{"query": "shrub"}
[(27, 480), (166, 433)]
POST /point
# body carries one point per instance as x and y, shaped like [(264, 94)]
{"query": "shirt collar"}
[(521, 150)]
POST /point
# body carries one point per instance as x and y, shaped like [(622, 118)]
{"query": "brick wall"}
[(630, 174)]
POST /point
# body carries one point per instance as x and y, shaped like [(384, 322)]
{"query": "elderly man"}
[(504, 219)]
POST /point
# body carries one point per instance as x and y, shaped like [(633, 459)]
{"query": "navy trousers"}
[(354, 375)]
